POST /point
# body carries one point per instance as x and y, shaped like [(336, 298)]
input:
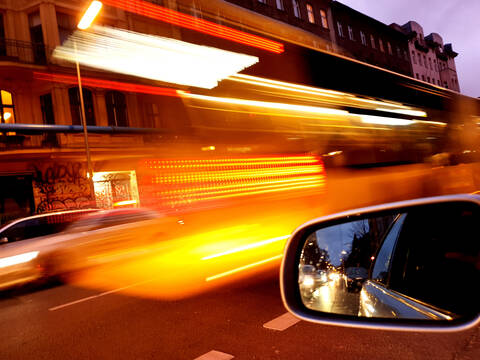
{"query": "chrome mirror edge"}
[(294, 305)]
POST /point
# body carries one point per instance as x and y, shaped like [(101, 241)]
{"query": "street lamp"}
[(85, 23)]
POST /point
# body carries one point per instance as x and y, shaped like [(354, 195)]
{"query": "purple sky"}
[(457, 22)]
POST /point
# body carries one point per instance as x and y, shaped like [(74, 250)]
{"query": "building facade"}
[(402, 49), (366, 39), (310, 15), (45, 169), (431, 60)]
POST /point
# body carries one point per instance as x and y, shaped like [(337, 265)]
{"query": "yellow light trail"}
[(218, 197), (266, 104), (215, 188), (223, 176), (242, 268), (247, 247)]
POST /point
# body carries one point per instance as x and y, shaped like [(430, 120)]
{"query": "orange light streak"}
[(186, 202), (242, 268), (247, 247), (106, 84), (182, 182), (157, 12)]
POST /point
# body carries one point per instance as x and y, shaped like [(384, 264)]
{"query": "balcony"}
[(23, 52)]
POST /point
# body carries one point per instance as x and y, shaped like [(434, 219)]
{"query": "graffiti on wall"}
[(60, 186)]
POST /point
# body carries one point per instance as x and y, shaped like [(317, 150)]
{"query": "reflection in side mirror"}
[(410, 261), (3, 240)]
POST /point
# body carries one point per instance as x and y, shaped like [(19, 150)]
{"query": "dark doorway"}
[(16, 197)]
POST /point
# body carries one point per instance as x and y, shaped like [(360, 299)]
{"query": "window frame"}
[(296, 9), (4, 107), (114, 107), (363, 38), (340, 29), (76, 108), (324, 18), (310, 13), (350, 33)]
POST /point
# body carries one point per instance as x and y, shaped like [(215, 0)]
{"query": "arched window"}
[(7, 110), (75, 108), (116, 108)]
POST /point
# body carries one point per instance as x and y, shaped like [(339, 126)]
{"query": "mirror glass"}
[(420, 263)]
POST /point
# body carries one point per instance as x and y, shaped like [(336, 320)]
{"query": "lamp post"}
[(85, 23)]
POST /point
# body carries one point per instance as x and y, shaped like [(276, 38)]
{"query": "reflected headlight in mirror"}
[(308, 280)]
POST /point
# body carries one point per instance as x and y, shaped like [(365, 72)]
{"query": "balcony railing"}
[(23, 52)]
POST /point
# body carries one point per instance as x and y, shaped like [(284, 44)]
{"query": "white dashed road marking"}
[(96, 296), (215, 355), (282, 322)]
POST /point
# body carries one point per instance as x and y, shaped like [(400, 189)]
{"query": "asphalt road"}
[(239, 319), (244, 320)]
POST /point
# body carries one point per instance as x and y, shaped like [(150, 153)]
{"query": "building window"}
[(389, 47), (363, 39), (36, 35), (350, 33), (414, 58), (419, 59), (75, 109), (46, 104), (405, 55), (296, 8), (66, 26), (380, 44), (323, 17), (262, 1), (7, 109), (399, 53), (311, 16), (417, 76), (3, 48), (425, 61), (340, 29), (439, 82), (372, 41), (428, 78), (280, 5), (435, 64), (153, 118), (430, 63), (423, 77), (116, 108)]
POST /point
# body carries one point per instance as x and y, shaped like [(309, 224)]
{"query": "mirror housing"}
[(295, 289)]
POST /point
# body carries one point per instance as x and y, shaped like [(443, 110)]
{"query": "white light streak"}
[(18, 259), (90, 15), (152, 57), (405, 111), (381, 120)]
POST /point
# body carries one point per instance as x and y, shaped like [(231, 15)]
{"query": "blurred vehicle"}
[(424, 274), (311, 279), (81, 244), (39, 225), (355, 278)]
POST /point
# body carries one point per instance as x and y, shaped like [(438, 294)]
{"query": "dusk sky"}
[(456, 21)]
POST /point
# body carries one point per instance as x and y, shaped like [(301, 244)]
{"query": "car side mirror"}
[(407, 265), (3, 240)]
